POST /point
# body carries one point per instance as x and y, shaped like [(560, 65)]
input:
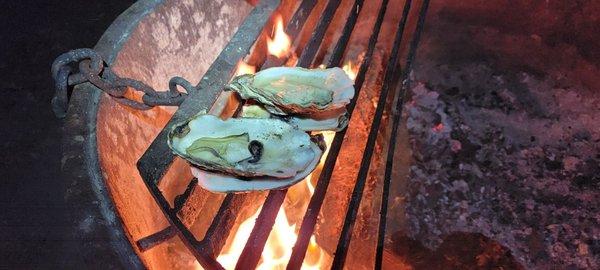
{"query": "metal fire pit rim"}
[(80, 157)]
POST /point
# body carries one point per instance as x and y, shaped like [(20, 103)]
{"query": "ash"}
[(513, 157)]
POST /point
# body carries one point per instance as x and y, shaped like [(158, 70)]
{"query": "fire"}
[(243, 68), (280, 44), (351, 69), (278, 247)]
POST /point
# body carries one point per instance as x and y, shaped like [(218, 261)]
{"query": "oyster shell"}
[(335, 120), (216, 182), (254, 111), (285, 90), (246, 147)]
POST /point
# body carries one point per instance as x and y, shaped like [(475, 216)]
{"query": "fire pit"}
[(422, 166)]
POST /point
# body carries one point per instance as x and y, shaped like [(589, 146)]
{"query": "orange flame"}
[(243, 68), (278, 248), (351, 69), (280, 44)]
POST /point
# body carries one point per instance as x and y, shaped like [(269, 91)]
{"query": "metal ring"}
[(76, 56), (60, 102)]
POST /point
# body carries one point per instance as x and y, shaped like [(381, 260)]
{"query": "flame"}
[(278, 248), (280, 44), (351, 69), (243, 68)]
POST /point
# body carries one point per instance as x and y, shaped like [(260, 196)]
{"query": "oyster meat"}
[(295, 90), (217, 182), (245, 147)]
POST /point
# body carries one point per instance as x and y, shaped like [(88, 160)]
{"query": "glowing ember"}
[(280, 44), (243, 68), (438, 128)]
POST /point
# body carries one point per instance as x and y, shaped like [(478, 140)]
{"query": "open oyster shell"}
[(285, 90), (245, 147), (332, 120), (335, 120), (218, 183)]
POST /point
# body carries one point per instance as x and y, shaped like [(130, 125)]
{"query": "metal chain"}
[(91, 68)]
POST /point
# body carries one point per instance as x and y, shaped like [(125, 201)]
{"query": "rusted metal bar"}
[(311, 48), (165, 234), (217, 234), (219, 229), (207, 261), (156, 160), (340, 47), (355, 199), (156, 238), (293, 28), (396, 113), (254, 246), (261, 230), (314, 206)]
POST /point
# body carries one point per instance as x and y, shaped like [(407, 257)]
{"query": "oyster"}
[(217, 182), (335, 120), (287, 90), (254, 111), (246, 147)]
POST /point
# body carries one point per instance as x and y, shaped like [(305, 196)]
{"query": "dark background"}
[(34, 220)]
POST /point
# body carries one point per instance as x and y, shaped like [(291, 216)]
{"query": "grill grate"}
[(158, 158)]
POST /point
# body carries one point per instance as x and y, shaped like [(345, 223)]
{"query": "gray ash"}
[(512, 157)]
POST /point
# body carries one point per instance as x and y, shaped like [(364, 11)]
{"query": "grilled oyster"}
[(246, 147), (335, 120), (286, 90), (218, 182)]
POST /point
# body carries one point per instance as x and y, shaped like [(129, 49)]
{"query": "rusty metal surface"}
[(396, 112), (153, 165), (91, 69), (101, 127), (81, 164), (390, 79)]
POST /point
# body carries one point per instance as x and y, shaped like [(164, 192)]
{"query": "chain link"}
[(91, 68)]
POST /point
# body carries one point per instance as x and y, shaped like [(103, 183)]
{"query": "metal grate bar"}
[(340, 47), (154, 239), (299, 18), (156, 160), (226, 216), (221, 225), (264, 223), (353, 205), (260, 232), (310, 50), (396, 113), (308, 223), (158, 157), (207, 249)]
